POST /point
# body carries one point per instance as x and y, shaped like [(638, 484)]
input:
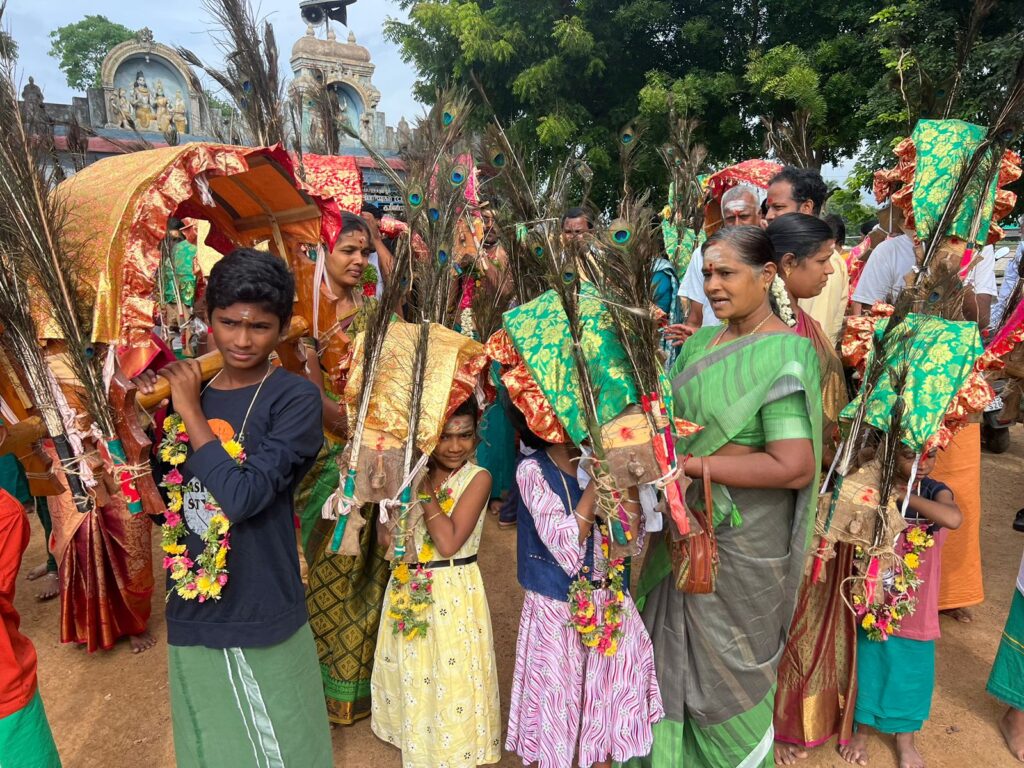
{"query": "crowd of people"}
[(614, 662)]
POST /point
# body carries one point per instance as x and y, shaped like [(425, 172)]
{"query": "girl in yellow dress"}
[(435, 683)]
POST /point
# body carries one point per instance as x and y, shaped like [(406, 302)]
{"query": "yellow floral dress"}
[(436, 697)]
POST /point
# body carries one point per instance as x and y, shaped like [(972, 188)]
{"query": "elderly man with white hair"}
[(741, 205)]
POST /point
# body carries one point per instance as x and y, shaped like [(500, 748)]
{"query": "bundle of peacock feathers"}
[(251, 76), (411, 372), (40, 301), (900, 407), (596, 308)]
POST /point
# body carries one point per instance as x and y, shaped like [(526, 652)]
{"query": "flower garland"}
[(412, 589), (208, 580), (782, 303), (602, 634), (883, 619)]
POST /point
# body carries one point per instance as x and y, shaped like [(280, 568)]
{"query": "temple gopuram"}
[(145, 93)]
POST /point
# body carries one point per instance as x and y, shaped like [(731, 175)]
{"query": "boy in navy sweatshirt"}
[(244, 676)]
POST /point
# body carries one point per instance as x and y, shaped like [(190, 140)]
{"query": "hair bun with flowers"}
[(780, 302)]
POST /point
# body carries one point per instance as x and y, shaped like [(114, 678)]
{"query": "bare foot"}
[(856, 749), (36, 573), (142, 641), (494, 506), (49, 587), (907, 753), (1012, 726), (963, 615), (788, 754)]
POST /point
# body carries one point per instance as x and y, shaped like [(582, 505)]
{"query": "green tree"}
[(81, 47), (8, 46), (942, 58), (847, 204)]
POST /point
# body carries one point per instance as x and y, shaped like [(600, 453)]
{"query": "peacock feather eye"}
[(628, 134), (498, 159), (448, 116), (458, 175), (568, 277), (442, 257), (433, 214), (620, 233), (538, 251), (415, 197)]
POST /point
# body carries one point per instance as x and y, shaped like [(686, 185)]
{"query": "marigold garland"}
[(412, 588), (881, 620), (599, 633), (208, 580)]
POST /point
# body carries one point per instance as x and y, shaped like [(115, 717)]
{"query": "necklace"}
[(204, 578), (752, 331)]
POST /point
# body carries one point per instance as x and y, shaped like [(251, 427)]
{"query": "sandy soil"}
[(112, 709)]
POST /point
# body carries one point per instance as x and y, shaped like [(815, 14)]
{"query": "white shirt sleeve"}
[(877, 279), (692, 285), (983, 276)]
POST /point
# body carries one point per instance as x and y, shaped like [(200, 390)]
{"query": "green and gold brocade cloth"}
[(943, 149), (540, 332), (938, 356)]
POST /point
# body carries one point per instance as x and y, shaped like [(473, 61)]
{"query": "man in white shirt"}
[(740, 206), (884, 278)]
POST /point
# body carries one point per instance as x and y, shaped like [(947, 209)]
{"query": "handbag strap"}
[(709, 509)]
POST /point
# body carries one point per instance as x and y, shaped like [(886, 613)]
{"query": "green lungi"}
[(26, 740), (241, 707), (1006, 682), (895, 681)]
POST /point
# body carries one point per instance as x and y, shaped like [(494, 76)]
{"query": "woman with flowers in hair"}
[(753, 386), (817, 674)]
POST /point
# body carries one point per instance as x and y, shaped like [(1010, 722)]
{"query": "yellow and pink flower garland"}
[(882, 619), (601, 635), (206, 582)]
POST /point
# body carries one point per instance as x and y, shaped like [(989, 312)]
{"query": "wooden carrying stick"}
[(209, 364), (127, 402)]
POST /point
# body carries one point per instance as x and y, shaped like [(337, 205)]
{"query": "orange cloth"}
[(959, 467), (17, 656)]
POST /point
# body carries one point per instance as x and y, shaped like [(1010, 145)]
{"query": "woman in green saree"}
[(754, 387)]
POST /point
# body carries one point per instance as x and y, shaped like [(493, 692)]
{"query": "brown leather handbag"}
[(695, 558)]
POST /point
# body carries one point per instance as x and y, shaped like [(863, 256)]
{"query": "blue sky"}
[(185, 23)]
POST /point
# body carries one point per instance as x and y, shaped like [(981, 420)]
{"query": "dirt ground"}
[(112, 709)]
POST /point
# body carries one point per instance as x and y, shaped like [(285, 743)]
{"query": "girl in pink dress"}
[(569, 698)]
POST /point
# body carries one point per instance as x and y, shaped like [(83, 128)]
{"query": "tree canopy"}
[(81, 47), (814, 81)]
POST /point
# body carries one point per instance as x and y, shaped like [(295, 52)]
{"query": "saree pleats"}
[(817, 674), (344, 598)]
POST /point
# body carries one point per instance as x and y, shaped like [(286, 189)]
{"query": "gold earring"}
[(788, 270)]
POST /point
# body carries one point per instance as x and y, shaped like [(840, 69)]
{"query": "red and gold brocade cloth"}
[(118, 211), (105, 565), (454, 364), (755, 172), (334, 177), (817, 678), (523, 391)]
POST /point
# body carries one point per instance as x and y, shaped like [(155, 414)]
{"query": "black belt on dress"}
[(449, 563)]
